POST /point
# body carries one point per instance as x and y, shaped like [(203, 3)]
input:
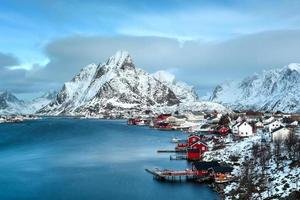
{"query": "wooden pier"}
[(171, 151), (172, 175)]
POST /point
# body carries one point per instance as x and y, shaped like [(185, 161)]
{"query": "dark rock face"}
[(3, 103)]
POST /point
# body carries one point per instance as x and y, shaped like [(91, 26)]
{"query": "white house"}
[(259, 124), (195, 116), (280, 134), (235, 128), (176, 120), (269, 120), (243, 129), (274, 125)]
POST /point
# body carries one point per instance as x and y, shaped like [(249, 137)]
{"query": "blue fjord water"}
[(61, 158)]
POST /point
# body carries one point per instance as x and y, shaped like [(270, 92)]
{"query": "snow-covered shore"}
[(262, 169)]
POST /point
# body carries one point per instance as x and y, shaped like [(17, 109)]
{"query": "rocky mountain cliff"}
[(183, 91), (273, 90), (113, 86)]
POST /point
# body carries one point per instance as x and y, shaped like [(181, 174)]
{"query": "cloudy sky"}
[(44, 43)]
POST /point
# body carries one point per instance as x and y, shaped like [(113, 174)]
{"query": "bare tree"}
[(290, 144), (277, 151)]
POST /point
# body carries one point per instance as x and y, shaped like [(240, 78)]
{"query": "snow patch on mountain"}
[(183, 91), (273, 90)]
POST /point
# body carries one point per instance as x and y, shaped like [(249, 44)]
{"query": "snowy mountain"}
[(10, 104), (116, 85), (273, 90), (40, 102), (183, 91)]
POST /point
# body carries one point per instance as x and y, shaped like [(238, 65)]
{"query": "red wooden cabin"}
[(162, 117), (200, 145), (196, 150), (193, 138), (223, 131), (181, 146)]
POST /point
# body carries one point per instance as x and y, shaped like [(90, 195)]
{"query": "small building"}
[(268, 119), (294, 124), (219, 173), (254, 115), (195, 116), (222, 174), (162, 117), (280, 134), (274, 125), (200, 145), (175, 121), (203, 168), (243, 129), (193, 139), (259, 124), (194, 154), (223, 130), (196, 150), (235, 128)]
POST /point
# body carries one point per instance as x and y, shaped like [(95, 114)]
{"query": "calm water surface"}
[(58, 158)]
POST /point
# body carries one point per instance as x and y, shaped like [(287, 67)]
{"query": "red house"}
[(200, 145), (223, 131), (213, 169), (181, 146), (193, 139), (196, 150), (203, 168), (162, 117)]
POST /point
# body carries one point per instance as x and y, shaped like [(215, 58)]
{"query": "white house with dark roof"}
[(274, 125), (243, 129)]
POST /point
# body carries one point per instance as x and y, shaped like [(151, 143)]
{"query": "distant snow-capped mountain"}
[(10, 104), (117, 86), (40, 102), (273, 90), (182, 90)]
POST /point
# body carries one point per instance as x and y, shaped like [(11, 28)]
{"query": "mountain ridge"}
[(272, 90)]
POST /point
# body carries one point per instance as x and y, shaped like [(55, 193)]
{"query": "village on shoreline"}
[(241, 155)]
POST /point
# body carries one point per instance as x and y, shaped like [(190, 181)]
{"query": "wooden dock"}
[(171, 151), (172, 175)]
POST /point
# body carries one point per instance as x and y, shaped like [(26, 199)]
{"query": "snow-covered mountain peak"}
[(185, 92), (113, 86), (164, 76), (294, 67), (121, 60), (273, 90)]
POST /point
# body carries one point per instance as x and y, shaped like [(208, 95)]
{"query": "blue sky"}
[(45, 43)]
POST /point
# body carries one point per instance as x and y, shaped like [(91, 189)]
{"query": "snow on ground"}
[(282, 180)]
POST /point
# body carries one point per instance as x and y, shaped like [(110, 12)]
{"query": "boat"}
[(175, 140)]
